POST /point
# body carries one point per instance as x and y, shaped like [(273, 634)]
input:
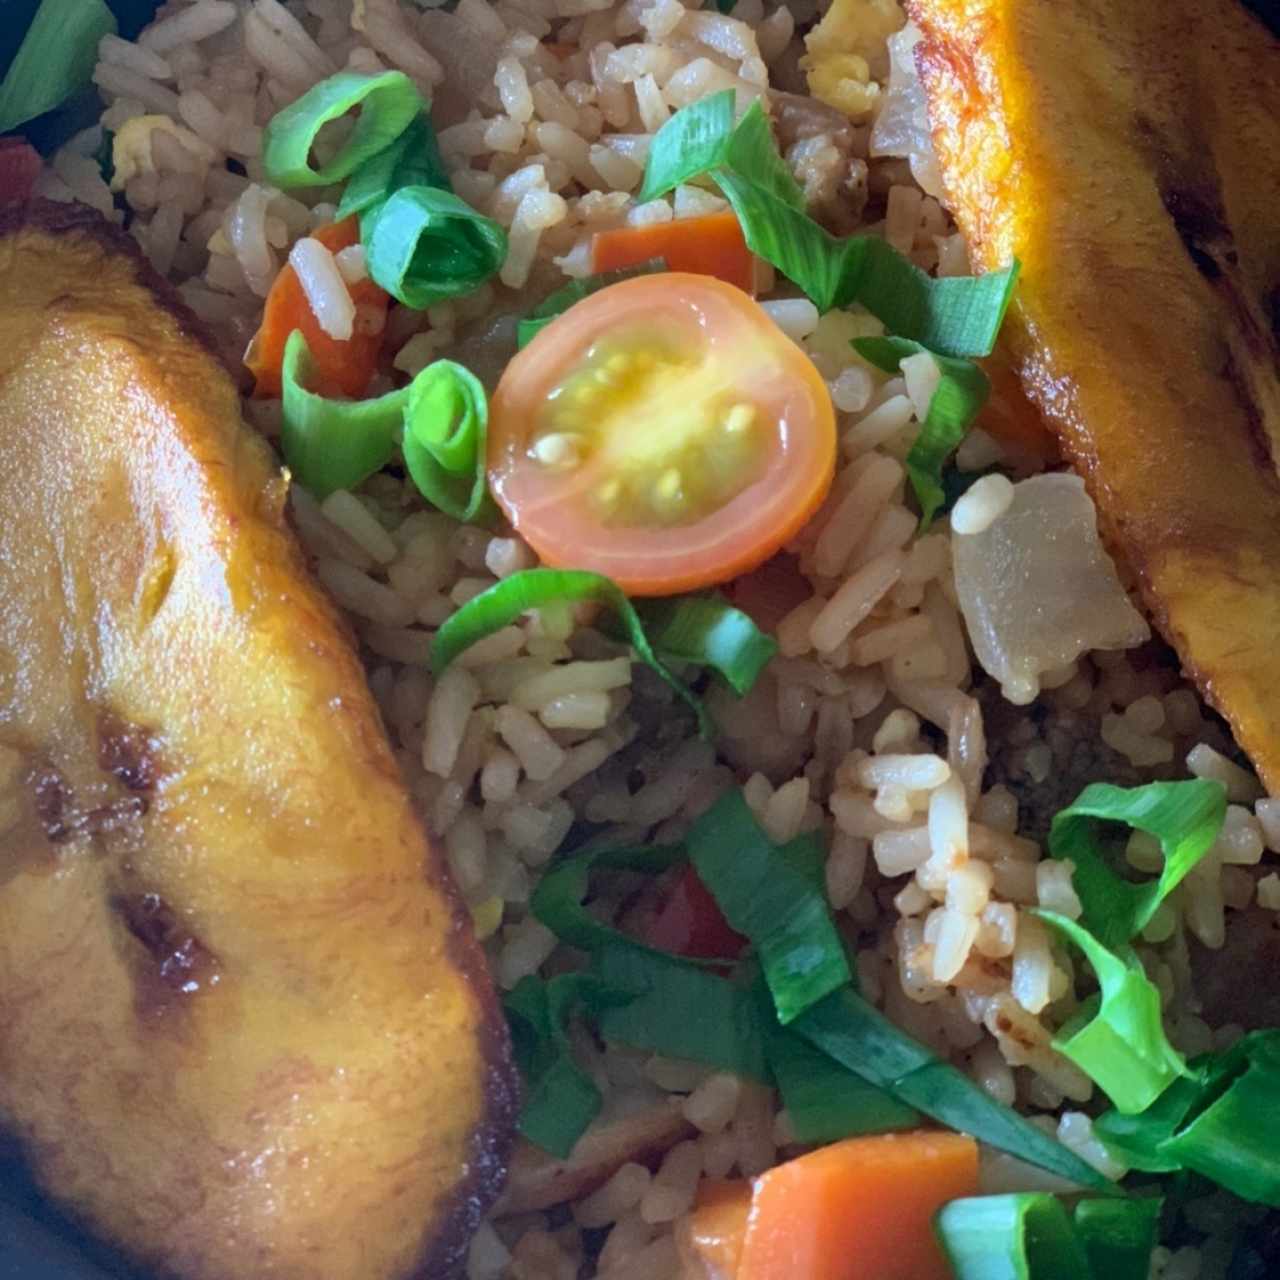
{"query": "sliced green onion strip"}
[(557, 900), (710, 633), (681, 1010), (956, 316), (961, 392), (561, 1100), (439, 420), (559, 302), (505, 602), (446, 416), (388, 103), (774, 896), (1184, 816), (424, 245), (55, 60), (1025, 1236), (333, 444), (1223, 1124), (1119, 1236), (1119, 1040), (824, 1100), (413, 159), (856, 1035)]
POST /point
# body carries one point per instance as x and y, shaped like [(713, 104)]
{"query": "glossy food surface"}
[(663, 432), (1129, 155), (245, 1030)]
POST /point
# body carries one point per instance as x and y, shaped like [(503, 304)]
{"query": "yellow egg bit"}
[(674, 439)]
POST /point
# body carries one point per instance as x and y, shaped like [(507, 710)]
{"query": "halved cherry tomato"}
[(663, 432), (708, 246), (691, 923)]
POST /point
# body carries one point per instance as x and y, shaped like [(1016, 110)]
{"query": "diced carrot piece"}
[(710, 1238), (861, 1209), (339, 368), (20, 166), (708, 246)]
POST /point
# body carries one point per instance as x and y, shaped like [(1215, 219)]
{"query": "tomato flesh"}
[(663, 432), (692, 924)]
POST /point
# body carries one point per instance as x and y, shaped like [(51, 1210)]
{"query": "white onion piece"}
[(902, 127), (1037, 587)]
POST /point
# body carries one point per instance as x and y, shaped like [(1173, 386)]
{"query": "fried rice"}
[(874, 725)]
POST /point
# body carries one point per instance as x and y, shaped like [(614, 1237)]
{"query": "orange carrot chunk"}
[(709, 1239), (707, 246), (861, 1209), (339, 368)]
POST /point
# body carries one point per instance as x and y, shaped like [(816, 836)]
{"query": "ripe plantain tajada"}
[(245, 1030), (1128, 153)]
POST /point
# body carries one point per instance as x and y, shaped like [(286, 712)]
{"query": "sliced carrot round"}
[(663, 432)]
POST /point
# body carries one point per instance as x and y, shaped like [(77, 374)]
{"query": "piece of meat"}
[(819, 143), (1129, 156), (245, 1029)]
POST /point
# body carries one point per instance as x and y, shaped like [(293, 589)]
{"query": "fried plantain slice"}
[(245, 1029), (1129, 155)]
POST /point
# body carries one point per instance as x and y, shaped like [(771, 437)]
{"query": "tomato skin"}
[(691, 923), (730, 335)]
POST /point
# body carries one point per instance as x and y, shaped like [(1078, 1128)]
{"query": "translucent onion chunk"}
[(1038, 589), (902, 127)]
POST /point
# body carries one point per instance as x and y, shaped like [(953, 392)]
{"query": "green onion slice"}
[(55, 60), (1184, 816), (559, 302), (681, 1010), (424, 245), (557, 900), (1223, 1123), (1118, 1039), (1119, 1236), (446, 415), (711, 633), (561, 1100), (860, 1038), (724, 642), (439, 420), (774, 896), (387, 102), (956, 316), (961, 392), (1024, 1236), (1029, 1236), (413, 159), (826, 1101), (333, 444)]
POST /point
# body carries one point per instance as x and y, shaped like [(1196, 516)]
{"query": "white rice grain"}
[(198, 22), (448, 712), (325, 290), (983, 504)]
